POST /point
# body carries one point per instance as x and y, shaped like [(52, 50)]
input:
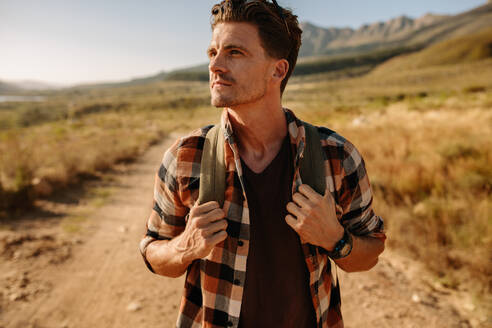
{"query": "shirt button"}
[(230, 324), (237, 281), (240, 243)]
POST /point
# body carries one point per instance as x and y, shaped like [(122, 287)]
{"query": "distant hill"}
[(399, 32), (461, 49), (136, 81), (194, 73), (8, 87)]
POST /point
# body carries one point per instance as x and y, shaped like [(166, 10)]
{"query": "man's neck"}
[(259, 130)]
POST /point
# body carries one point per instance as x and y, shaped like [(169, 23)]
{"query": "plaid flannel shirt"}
[(214, 285)]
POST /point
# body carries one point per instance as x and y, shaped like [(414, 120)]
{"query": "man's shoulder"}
[(183, 156), (332, 139), (193, 140), (339, 149), (328, 137), (335, 146)]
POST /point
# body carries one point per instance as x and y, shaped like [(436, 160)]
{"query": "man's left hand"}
[(314, 217)]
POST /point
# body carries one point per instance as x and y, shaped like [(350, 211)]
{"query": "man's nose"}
[(217, 64)]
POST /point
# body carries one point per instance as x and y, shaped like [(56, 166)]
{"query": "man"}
[(260, 260)]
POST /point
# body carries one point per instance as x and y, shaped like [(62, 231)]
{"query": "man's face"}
[(239, 68)]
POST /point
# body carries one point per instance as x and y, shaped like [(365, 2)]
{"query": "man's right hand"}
[(205, 228)]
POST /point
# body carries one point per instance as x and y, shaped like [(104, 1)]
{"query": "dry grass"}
[(46, 156), (432, 176)]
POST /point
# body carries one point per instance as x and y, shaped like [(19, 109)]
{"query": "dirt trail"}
[(61, 270)]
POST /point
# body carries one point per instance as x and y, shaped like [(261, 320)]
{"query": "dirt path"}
[(76, 263)]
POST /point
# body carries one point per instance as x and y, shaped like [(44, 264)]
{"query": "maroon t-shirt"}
[(276, 291)]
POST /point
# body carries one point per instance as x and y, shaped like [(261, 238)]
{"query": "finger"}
[(291, 221), (307, 191), (295, 210), (218, 237), (204, 208), (302, 201), (203, 220), (215, 215), (216, 227), (329, 198)]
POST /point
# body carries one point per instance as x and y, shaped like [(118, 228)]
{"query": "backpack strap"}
[(313, 162), (212, 170), (313, 174)]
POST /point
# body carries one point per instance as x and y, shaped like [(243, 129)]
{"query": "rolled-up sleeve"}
[(167, 218), (355, 197)]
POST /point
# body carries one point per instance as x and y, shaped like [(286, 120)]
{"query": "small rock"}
[(64, 324), (123, 229), (77, 241), (358, 121), (24, 282), (42, 187), (17, 296), (469, 306), (17, 255), (420, 209), (415, 298), (133, 306)]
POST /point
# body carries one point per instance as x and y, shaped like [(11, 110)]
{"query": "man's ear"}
[(280, 70)]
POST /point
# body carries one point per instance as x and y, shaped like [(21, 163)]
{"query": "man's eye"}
[(235, 52)]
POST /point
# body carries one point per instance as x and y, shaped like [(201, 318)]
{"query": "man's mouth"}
[(221, 83)]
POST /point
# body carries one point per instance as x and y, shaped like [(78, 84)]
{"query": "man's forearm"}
[(364, 254), (206, 227), (166, 259)]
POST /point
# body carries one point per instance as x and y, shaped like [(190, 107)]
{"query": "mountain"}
[(35, 85), (25, 85), (398, 32), (8, 88), (462, 49), (360, 50)]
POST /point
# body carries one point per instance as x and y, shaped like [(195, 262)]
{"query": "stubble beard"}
[(237, 98)]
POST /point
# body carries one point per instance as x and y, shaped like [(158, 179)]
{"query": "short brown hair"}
[(280, 36)]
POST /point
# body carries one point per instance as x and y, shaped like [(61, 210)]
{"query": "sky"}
[(81, 41)]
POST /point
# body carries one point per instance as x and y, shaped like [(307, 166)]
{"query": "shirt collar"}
[(295, 130)]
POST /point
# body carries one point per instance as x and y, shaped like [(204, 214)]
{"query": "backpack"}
[(213, 173)]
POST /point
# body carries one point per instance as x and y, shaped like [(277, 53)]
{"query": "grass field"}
[(90, 131), (424, 133)]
